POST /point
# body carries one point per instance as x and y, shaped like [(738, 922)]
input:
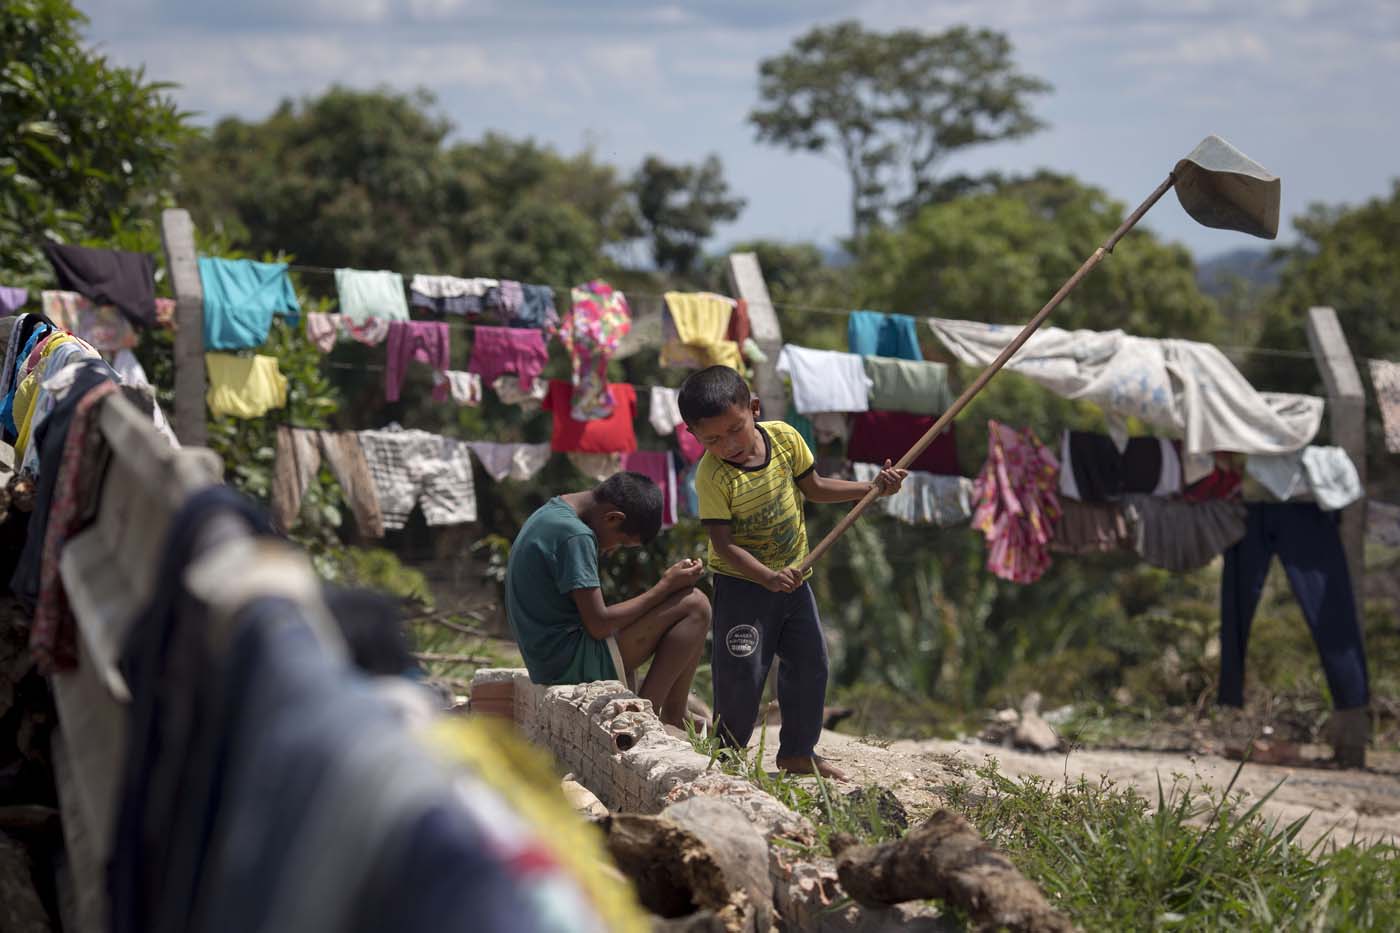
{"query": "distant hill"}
[(1213, 275)]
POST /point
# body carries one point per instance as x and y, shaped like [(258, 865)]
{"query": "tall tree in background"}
[(88, 147), (368, 179), (679, 206), (890, 106)]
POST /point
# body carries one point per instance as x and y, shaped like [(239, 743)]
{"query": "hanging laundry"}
[(831, 426), (664, 413), (509, 390), (536, 308), (507, 299), (365, 295), (298, 459), (1016, 503), (1306, 541), (12, 299), (32, 373), (1385, 375), (613, 434), (1181, 387), (424, 341), (908, 385), (803, 426), (1094, 469), (753, 352), (1090, 527), (690, 445), (129, 369), (31, 330), (498, 350), (165, 313), (371, 331), (1280, 474), (464, 387), (689, 495), (322, 330), (519, 462), (240, 298), (695, 330), (412, 467), (596, 467), (103, 326), (447, 294), (107, 277), (658, 467), (825, 380), (664, 410), (871, 333), (877, 436), (1383, 523), (1223, 482), (1177, 535), (39, 391), (924, 498), (244, 386), (25, 582), (597, 321), (740, 330), (1332, 477)]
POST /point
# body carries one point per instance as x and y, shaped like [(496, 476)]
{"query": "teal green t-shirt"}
[(555, 554)]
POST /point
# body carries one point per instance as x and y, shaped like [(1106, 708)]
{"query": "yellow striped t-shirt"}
[(761, 504)]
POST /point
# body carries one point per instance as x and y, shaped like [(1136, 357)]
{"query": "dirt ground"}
[(1361, 805)]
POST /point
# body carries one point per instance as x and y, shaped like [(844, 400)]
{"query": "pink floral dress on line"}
[(597, 321), (1017, 506)]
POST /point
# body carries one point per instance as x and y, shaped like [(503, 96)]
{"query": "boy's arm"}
[(829, 489), (601, 620), (779, 581)]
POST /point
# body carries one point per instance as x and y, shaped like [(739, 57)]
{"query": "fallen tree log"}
[(946, 859), (699, 864)]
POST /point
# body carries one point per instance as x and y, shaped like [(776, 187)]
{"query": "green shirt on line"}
[(555, 554)]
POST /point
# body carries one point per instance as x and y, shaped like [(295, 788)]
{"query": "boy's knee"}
[(697, 605)]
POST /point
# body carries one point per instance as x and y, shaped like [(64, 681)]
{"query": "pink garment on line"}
[(500, 350), (660, 469), (322, 330), (1017, 507), (424, 341)]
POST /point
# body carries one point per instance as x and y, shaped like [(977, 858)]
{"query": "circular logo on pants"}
[(742, 640)]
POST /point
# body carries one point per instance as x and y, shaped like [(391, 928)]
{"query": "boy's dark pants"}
[(751, 626)]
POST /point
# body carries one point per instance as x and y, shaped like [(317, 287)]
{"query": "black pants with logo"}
[(752, 625)]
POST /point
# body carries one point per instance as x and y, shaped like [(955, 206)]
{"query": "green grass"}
[(811, 796), (1188, 860)]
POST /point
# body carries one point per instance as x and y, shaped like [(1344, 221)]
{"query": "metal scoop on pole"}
[(1218, 185)]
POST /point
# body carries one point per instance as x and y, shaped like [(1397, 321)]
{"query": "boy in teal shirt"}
[(554, 600)]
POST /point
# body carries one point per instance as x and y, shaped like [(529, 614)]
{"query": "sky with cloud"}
[(1307, 87)]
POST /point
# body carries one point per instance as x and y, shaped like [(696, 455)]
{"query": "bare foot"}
[(813, 765)]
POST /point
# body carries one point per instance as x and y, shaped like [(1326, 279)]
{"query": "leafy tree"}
[(1344, 258), (367, 179), (679, 207), (999, 256), (891, 106), (89, 146)]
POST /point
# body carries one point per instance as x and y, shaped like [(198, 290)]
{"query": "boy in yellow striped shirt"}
[(752, 482)]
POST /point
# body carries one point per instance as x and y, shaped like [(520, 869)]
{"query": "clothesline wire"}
[(841, 312)]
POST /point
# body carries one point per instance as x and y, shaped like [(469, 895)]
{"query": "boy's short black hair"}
[(636, 497), (712, 391)]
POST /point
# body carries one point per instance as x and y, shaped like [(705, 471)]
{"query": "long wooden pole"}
[(985, 376)]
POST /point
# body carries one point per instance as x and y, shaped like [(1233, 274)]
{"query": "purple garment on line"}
[(657, 466), (500, 350), (425, 341), (12, 299)]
